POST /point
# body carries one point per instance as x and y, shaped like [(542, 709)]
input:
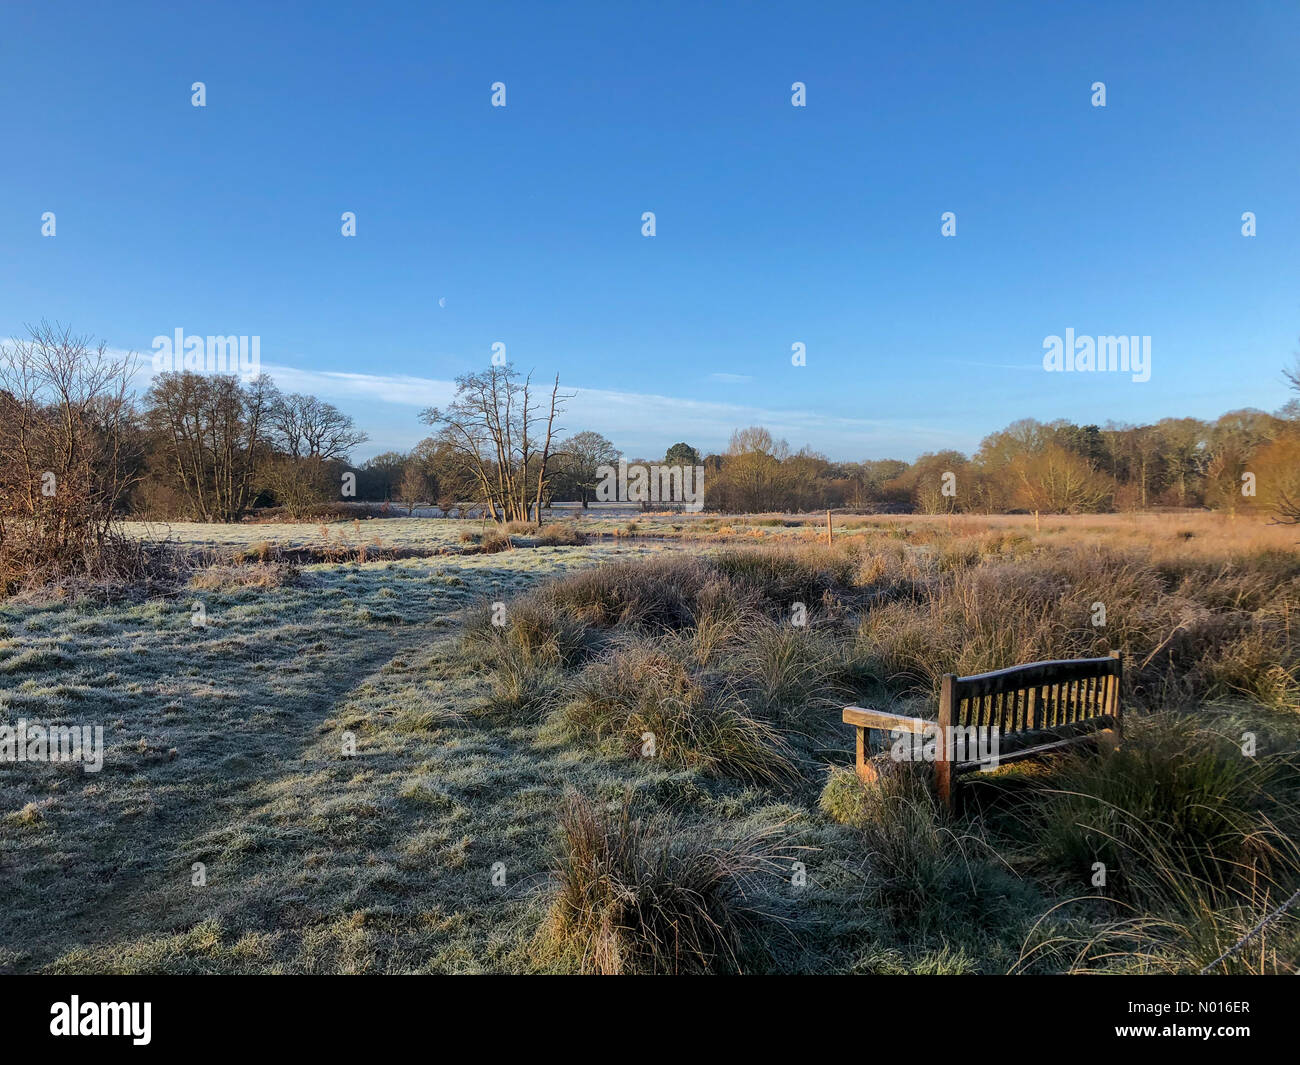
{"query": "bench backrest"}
[(1080, 692)]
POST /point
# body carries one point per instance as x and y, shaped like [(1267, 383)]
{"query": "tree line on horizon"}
[(1242, 461), (78, 449)]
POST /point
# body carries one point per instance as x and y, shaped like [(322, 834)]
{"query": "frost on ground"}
[(416, 533), (229, 830), (222, 747)]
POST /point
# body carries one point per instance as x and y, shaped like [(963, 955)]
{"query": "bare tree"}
[(1293, 375), (578, 463), (492, 428), (298, 485), (1286, 507), (1058, 481), (213, 432), (417, 484), (68, 450), (305, 427), (312, 439)]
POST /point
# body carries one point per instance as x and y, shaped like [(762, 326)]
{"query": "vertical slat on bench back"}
[(1041, 695), (1038, 696)]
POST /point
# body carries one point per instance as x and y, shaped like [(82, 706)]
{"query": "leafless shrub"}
[(69, 453)]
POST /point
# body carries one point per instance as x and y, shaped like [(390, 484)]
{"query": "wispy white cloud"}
[(637, 422), (399, 389), (626, 417), (640, 423), (730, 378)]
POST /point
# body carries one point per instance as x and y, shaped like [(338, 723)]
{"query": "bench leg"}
[(943, 781), (866, 771)]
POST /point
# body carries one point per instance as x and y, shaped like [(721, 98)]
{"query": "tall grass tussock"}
[(736, 662), (638, 896)]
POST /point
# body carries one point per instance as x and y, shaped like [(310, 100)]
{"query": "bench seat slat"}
[(1029, 752)]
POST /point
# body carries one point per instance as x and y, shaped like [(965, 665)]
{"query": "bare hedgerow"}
[(635, 896), (69, 454)]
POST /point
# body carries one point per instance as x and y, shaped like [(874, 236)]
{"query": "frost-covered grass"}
[(1176, 533), (413, 533), (223, 746), (442, 845)]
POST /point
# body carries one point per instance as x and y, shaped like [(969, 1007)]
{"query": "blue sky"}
[(775, 224)]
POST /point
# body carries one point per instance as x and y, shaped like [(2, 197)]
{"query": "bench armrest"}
[(886, 722)]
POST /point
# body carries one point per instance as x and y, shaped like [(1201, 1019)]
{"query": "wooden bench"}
[(1036, 709)]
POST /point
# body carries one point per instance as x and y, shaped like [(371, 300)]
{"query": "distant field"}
[(1197, 531), (422, 533), (435, 847)]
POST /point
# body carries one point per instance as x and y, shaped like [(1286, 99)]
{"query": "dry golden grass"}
[(636, 896), (465, 762)]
